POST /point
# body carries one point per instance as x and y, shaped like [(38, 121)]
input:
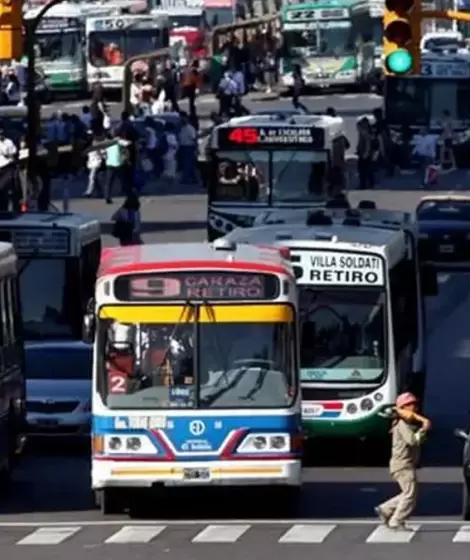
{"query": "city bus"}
[(270, 161), (59, 40), (362, 315), (319, 37), (110, 41), (196, 378), (59, 255), (12, 381)]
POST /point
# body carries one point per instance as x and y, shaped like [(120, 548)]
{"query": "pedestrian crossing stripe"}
[(315, 533)]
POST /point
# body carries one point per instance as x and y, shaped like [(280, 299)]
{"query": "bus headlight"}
[(367, 405), (133, 444), (114, 443), (378, 397), (351, 408), (261, 443)]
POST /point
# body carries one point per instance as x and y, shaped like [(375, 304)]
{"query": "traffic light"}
[(11, 33), (402, 34)]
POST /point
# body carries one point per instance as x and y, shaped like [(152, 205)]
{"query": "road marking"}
[(49, 535), (135, 534), (306, 534), (462, 535), (383, 534), (255, 522), (221, 534)]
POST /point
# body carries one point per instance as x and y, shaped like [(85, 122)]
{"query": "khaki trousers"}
[(399, 508)]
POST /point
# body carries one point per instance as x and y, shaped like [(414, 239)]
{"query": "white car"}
[(58, 388)]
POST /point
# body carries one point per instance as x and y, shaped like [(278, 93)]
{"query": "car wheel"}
[(109, 500), (465, 503)]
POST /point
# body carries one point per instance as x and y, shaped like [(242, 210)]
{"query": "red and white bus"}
[(196, 376)]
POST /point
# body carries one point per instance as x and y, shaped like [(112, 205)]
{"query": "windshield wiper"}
[(28, 261)]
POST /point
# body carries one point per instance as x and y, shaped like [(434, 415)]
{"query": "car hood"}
[(436, 226), (58, 390)]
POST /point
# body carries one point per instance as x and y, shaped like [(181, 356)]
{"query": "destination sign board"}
[(340, 268), (196, 285), (262, 137), (108, 24), (316, 14), (58, 24), (447, 69)]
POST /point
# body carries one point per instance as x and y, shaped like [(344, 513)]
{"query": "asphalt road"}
[(48, 509)]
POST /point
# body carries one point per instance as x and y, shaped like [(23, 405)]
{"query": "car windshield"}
[(59, 363), (264, 177), (458, 211), (239, 365), (343, 334), (182, 20), (43, 295)]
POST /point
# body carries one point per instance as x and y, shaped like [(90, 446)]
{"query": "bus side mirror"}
[(429, 285), (89, 323)]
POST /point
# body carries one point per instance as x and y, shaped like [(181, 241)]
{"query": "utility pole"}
[(33, 119)]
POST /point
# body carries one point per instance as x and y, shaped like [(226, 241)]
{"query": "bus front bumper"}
[(372, 426), (145, 474)]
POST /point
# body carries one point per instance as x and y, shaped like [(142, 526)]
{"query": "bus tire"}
[(6, 471), (109, 500)]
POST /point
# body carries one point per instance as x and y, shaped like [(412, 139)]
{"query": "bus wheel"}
[(109, 500)]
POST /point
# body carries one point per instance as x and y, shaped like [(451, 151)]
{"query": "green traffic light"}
[(399, 62)]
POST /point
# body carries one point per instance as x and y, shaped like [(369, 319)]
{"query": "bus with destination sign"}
[(319, 36), (265, 161), (110, 41), (59, 39), (195, 376), (361, 295), (58, 256), (413, 102)]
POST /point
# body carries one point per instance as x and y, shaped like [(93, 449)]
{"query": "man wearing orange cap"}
[(406, 442)]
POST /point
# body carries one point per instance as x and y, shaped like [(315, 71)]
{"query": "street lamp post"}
[(31, 102)]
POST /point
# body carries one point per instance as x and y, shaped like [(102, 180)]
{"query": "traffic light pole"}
[(444, 14), (31, 102)]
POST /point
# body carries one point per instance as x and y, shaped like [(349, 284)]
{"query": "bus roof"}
[(178, 11), (184, 256), (389, 219), (48, 219), (63, 10), (385, 242)]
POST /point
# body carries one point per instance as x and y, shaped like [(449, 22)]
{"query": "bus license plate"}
[(196, 475), (446, 249)]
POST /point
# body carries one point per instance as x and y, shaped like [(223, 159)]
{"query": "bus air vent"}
[(367, 205), (319, 219)]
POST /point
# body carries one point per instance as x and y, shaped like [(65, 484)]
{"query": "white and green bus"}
[(59, 46), (361, 290), (319, 36)]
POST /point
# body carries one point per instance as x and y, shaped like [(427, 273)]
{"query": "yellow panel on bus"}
[(268, 313)]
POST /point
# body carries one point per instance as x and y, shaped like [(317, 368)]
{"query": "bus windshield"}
[(44, 298), (268, 177), (112, 48), (330, 38), (343, 335), (237, 365), (419, 101), (59, 47)]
